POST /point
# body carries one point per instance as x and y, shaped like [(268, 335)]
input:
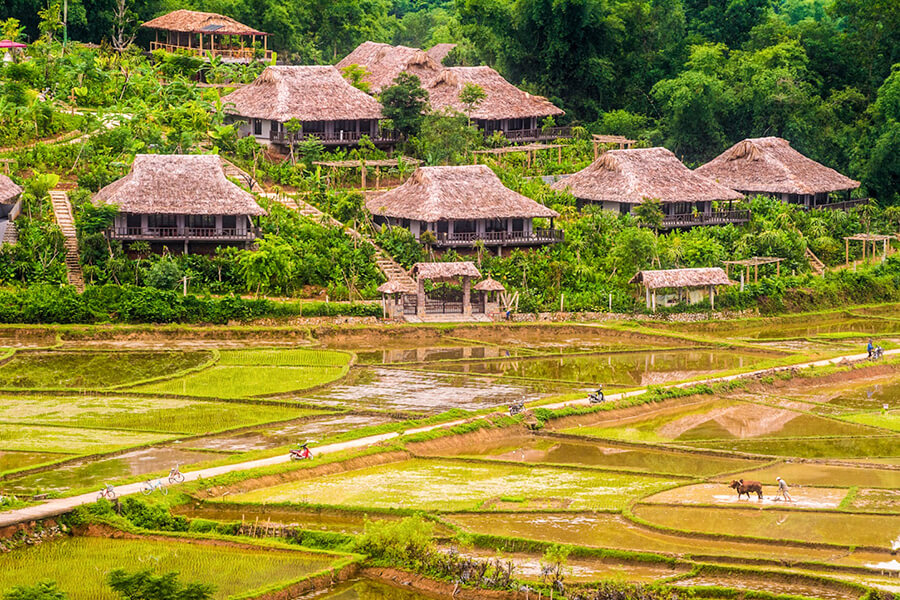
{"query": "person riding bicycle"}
[(870, 348)]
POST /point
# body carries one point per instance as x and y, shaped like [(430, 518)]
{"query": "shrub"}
[(410, 539)]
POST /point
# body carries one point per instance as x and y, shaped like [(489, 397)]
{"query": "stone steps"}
[(62, 212)]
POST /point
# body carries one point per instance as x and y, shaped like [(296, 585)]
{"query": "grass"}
[(460, 485), (884, 420), (80, 565), (37, 438), (245, 373), (143, 414), (92, 370), (10, 461)]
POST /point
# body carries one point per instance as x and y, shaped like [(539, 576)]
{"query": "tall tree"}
[(405, 103)]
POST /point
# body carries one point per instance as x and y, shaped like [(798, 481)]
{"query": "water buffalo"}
[(745, 487)]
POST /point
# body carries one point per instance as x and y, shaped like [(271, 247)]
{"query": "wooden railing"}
[(721, 217), (339, 137), (500, 238), (236, 53), (843, 205), (522, 135), (184, 233)]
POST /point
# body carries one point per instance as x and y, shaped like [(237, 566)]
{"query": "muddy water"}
[(613, 531), (565, 452), (877, 500), (285, 434), (829, 475), (849, 447), (771, 585), (10, 461), (367, 589), (721, 494), (793, 327), (873, 397), (436, 353), (90, 473), (421, 392), (627, 368), (833, 528)]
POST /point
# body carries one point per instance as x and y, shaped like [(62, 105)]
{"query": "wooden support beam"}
[(846, 251)]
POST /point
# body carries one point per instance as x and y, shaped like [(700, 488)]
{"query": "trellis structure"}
[(866, 239), (364, 164), (755, 262), (619, 141), (530, 149)]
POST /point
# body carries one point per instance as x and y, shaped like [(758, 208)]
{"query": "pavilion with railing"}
[(208, 34)]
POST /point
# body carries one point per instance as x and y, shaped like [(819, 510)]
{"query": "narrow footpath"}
[(58, 506)]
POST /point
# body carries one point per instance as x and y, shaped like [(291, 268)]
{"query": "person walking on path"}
[(783, 490)]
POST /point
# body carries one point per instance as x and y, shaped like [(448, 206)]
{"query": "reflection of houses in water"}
[(436, 354), (740, 420)]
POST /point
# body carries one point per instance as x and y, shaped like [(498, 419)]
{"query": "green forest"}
[(693, 76)]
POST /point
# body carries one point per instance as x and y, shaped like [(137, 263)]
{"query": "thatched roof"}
[(489, 285), (306, 93), (440, 51), (681, 278), (384, 62), (438, 271), (503, 100), (770, 165), (192, 21), (448, 193), (9, 191), (395, 286), (181, 184), (632, 176)]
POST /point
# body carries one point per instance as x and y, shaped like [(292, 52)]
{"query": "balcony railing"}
[(246, 54), (336, 138), (844, 205), (532, 135), (501, 238), (185, 233), (721, 217)]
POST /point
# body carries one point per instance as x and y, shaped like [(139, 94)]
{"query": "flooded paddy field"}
[(721, 494), (772, 584), (369, 589), (11, 461), (875, 445), (80, 565), (811, 527), (447, 485), (789, 327), (563, 451), (315, 520), (812, 474)]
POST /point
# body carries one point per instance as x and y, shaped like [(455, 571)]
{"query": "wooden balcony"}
[(722, 217), (200, 234), (501, 238), (844, 205), (534, 135), (340, 138), (233, 54)]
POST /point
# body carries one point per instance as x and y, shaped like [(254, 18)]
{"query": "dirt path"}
[(59, 506)]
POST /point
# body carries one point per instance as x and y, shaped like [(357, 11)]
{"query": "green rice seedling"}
[(36, 438), (244, 381), (290, 357)]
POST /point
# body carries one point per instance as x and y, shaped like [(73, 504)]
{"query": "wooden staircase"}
[(817, 266), (62, 211)]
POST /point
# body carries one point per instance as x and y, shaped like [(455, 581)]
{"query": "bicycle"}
[(150, 485), (107, 491), (175, 475)]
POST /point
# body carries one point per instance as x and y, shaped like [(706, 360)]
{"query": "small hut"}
[(619, 180), (680, 285), (463, 205), (490, 289), (9, 198), (177, 200), (204, 33), (516, 114), (439, 52), (447, 301), (770, 167), (383, 62), (392, 292), (327, 107)]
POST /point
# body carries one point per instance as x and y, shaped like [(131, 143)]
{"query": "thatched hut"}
[(464, 205), (769, 166), (446, 300), (326, 105), (9, 196), (384, 62), (516, 114), (174, 200), (208, 34), (619, 180), (489, 289), (439, 52), (680, 285)]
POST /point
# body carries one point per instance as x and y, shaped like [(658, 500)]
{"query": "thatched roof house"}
[(9, 191), (503, 100), (193, 21), (489, 285), (318, 96), (440, 51), (182, 184), (628, 177), (770, 166), (688, 285), (445, 271), (384, 62), (462, 205), (180, 199)]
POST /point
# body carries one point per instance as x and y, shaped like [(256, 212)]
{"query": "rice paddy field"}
[(637, 493)]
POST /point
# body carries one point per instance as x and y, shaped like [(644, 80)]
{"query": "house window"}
[(518, 225), (133, 221), (345, 126), (493, 225), (464, 226), (316, 127), (229, 222), (365, 127), (518, 124), (202, 221), (158, 221), (257, 126)]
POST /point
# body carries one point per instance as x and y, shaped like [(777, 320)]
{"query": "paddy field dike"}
[(414, 447)]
